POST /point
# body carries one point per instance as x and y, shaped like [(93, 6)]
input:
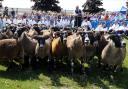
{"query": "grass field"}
[(41, 79)]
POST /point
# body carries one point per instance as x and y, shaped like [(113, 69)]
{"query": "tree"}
[(46, 5), (93, 6)]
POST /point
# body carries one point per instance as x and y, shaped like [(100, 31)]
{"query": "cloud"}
[(18, 3), (113, 5), (109, 5), (71, 4)]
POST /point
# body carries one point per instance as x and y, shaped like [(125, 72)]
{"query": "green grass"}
[(41, 79)]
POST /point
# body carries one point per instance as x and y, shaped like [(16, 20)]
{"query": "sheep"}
[(114, 52), (59, 49), (46, 32), (75, 49), (32, 32), (11, 49), (3, 36), (29, 46), (102, 42), (43, 48)]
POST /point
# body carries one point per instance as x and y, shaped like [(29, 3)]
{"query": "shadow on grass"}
[(19, 75), (96, 77)]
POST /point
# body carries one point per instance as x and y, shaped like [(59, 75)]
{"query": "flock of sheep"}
[(29, 45)]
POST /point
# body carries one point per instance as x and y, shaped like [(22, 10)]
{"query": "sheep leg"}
[(49, 62), (35, 62), (49, 59), (29, 63), (82, 67), (26, 63), (54, 65), (90, 60), (118, 68), (99, 60), (12, 66), (99, 63), (72, 66), (53, 62), (105, 67), (20, 67)]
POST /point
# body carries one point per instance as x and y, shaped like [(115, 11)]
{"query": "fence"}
[(19, 10)]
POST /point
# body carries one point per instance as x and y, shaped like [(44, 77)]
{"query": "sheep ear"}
[(110, 37), (124, 36), (77, 33)]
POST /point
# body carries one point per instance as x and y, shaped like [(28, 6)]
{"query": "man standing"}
[(5, 13), (13, 13), (78, 17)]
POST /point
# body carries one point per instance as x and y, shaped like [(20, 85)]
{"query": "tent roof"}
[(123, 8)]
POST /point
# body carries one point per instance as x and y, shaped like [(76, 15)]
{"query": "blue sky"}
[(109, 5)]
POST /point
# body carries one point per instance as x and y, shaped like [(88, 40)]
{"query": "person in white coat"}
[(15, 20), (19, 20), (122, 28), (115, 26), (47, 23), (32, 22), (86, 23), (59, 23), (24, 21), (99, 27), (72, 23), (7, 20)]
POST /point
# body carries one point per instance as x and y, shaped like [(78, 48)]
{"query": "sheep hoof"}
[(115, 71), (37, 60), (72, 67), (48, 60), (121, 70), (72, 71), (118, 70)]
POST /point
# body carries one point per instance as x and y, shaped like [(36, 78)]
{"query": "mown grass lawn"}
[(41, 79)]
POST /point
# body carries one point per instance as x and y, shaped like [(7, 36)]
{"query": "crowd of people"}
[(100, 21)]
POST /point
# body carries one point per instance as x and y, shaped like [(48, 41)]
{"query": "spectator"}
[(86, 23), (17, 11), (5, 13), (100, 27), (1, 23), (13, 13), (106, 17), (78, 17)]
